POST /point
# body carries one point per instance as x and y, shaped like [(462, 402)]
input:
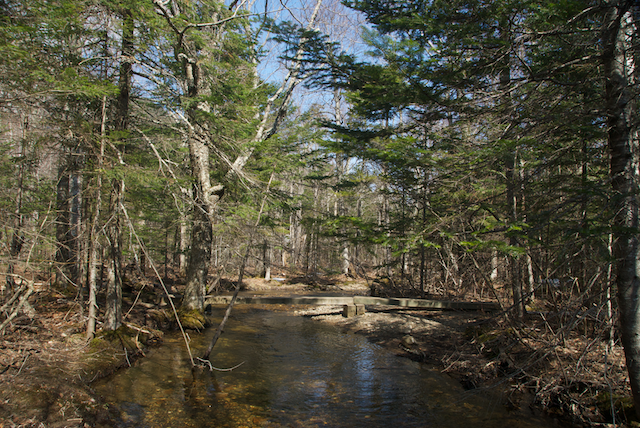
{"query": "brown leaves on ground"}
[(563, 375), (46, 365)]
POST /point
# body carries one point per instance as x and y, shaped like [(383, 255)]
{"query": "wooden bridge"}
[(355, 301)]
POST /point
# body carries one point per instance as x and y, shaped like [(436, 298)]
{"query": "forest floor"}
[(47, 365)]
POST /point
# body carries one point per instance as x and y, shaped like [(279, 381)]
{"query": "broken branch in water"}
[(211, 368), (218, 332)]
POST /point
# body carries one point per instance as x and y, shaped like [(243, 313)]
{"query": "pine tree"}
[(619, 33), (527, 96), (483, 90)]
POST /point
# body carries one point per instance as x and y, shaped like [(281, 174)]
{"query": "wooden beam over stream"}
[(357, 300)]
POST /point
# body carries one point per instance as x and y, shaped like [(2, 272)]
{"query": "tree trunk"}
[(199, 256), (94, 207), (356, 250), (515, 264), (205, 195), (126, 71), (113, 307), (296, 235), (346, 263), (195, 85), (266, 260), (494, 265), (17, 236), (182, 244), (511, 176), (206, 198), (608, 295), (113, 304), (385, 222), (619, 32), (66, 227), (63, 252)]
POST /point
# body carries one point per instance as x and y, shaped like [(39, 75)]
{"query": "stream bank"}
[(47, 367)]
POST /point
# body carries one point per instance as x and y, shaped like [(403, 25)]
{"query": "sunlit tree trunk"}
[(182, 244), (266, 260), (201, 232), (494, 265)]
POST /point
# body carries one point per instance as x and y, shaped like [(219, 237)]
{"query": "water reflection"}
[(298, 373)]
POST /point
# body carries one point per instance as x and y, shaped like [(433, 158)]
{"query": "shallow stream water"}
[(296, 372)]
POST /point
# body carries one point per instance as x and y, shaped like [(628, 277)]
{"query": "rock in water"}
[(408, 340)]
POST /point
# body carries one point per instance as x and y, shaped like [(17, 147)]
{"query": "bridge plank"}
[(350, 300), (427, 304)]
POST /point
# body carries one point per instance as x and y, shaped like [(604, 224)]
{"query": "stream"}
[(295, 372)]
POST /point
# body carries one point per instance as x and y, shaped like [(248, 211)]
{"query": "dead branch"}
[(207, 363), (23, 293)]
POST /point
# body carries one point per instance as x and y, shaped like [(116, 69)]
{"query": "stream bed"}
[(295, 372)]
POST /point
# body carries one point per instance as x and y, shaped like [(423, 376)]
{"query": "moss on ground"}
[(192, 319)]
